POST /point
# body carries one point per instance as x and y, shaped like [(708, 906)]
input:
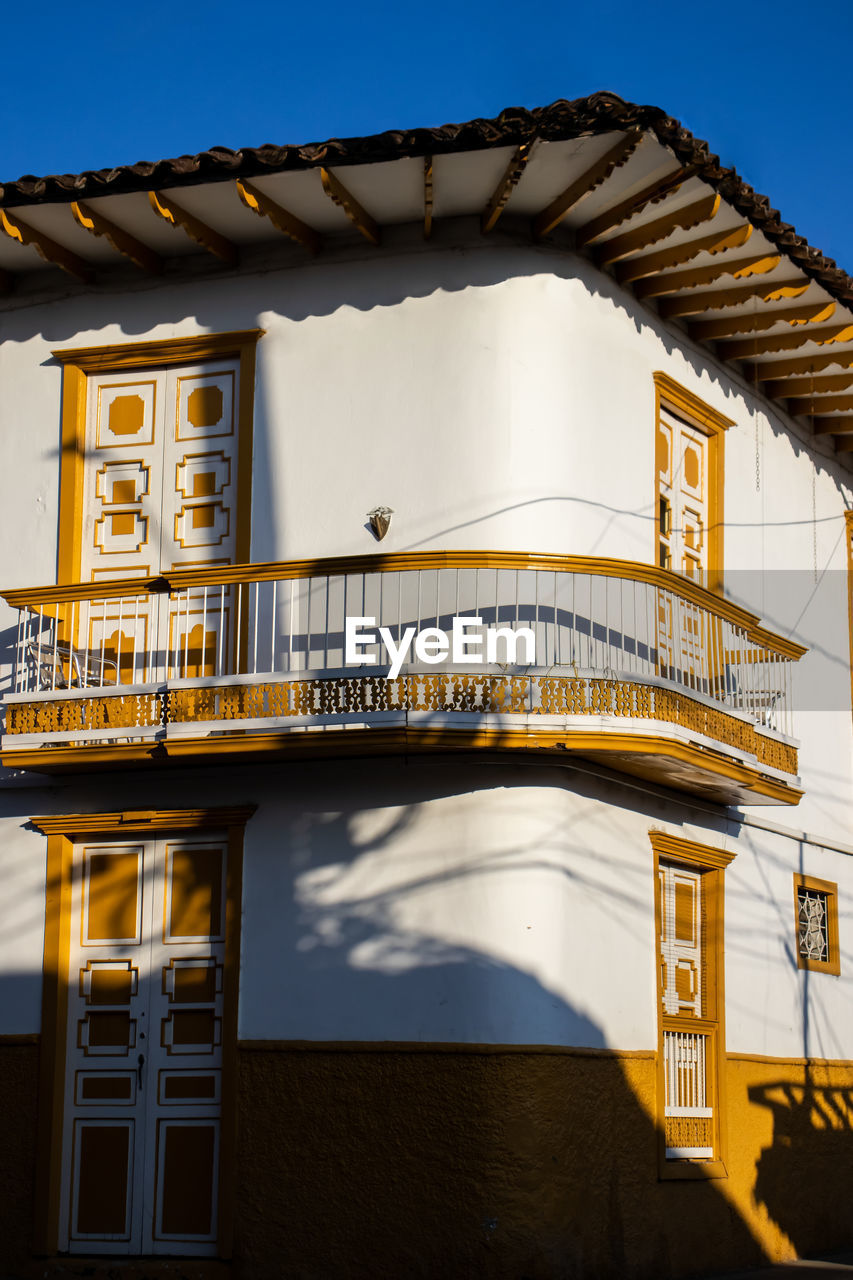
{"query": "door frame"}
[(79, 362), (63, 831)]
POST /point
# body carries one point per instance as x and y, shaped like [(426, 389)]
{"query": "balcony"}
[(632, 666)]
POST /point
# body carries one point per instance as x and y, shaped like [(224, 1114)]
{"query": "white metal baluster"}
[(290, 635), (419, 578), (219, 670), (186, 594), (239, 610), (59, 609), (328, 616), (133, 679), (85, 676), (118, 643), (399, 610), (255, 645), (203, 627), (40, 617), (306, 658), (273, 624)]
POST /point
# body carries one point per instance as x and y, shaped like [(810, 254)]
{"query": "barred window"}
[(813, 938), (816, 903)]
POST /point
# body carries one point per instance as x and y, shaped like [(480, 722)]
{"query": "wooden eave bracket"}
[(808, 406), (122, 241), (509, 180), (170, 211), (356, 213), (632, 205), (783, 388), (800, 366), (657, 286), (749, 348), (692, 215), (844, 443), (597, 173), (48, 249), (748, 322), (719, 299), (832, 426), (282, 219), (428, 196), (648, 264)]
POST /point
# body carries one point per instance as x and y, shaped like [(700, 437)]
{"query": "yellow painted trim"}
[(79, 363), (333, 566), (671, 395), (371, 742), (63, 831), (71, 472), (819, 1064), (667, 845), (685, 402), (142, 820), (57, 937), (439, 1046), (163, 351), (828, 887)]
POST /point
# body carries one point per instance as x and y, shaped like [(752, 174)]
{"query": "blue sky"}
[(765, 83)]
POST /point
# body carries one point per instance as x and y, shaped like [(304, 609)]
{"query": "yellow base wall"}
[(357, 1161), (19, 1059), (536, 1163)]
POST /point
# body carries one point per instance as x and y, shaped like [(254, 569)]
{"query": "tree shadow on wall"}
[(434, 1157), (811, 1147)]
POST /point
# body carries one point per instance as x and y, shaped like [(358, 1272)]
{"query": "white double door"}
[(143, 1070)]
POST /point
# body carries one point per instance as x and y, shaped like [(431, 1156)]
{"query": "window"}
[(689, 483), (816, 920), (689, 913)]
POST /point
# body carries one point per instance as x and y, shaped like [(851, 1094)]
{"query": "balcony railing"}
[(261, 646)]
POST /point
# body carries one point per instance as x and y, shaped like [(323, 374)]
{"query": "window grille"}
[(689, 1118), (812, 922)]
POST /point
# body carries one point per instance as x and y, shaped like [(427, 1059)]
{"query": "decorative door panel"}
[(159, 492), (144, 1048), (682, 976), (682, 467)]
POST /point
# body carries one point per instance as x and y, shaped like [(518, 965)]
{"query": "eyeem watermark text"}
[(467, 641)]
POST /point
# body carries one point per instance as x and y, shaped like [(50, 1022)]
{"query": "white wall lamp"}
[(380, 520)]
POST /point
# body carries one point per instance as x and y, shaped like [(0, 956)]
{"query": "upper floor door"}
[(160, 489), (160, 471), (683, 497)]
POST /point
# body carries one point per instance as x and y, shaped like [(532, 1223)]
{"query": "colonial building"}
[(427, 711)]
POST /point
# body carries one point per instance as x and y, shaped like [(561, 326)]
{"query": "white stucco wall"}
[(495, 397), (479, 903)]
